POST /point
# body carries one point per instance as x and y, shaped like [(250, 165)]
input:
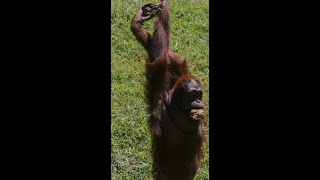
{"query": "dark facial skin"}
[(193, 96), (186, 97)]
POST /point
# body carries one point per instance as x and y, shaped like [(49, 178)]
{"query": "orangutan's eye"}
[(193, 94)]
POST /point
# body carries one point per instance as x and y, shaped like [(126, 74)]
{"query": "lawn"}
[(130, 136)]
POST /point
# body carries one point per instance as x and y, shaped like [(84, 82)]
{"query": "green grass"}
[(131, 142)]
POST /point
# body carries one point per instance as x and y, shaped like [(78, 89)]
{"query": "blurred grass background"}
[(130, 136)]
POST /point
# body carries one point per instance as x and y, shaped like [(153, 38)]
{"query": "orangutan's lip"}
[(195, 108)]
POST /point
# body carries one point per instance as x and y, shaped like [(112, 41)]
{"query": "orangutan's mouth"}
[(197, 114)]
